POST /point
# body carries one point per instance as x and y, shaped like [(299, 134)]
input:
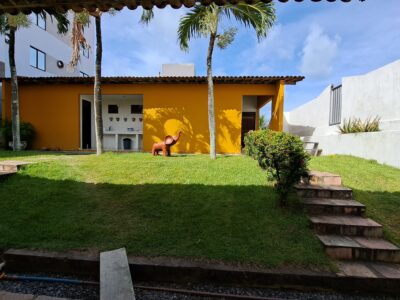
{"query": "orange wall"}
[(54, 112)]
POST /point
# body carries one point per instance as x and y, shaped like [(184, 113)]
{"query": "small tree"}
[(204, 21), (78, 40), (9, 25), (282, 155)]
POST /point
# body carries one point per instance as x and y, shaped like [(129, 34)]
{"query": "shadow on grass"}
[(233, 223), (382, 207)]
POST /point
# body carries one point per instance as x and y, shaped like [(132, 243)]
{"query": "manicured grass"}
[(376, 186), (183, 206)]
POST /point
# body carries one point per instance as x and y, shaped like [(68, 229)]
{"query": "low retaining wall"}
[(177, 270), (382, 146)]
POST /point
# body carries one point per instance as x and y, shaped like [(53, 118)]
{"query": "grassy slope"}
[(375, 185), (186, 206)]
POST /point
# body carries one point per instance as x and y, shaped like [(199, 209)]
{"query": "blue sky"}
[(321, 41)]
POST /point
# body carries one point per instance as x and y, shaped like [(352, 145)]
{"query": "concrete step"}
[(324, 178), (368, 269), (323, 191), (12, 165), (115, 277), (360, 248), (328, 206), (346, 225), (6, 174)]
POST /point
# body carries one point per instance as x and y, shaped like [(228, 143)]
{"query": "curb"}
[(162, 269)]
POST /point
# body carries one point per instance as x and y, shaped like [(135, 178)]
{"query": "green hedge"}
[(281, 154)]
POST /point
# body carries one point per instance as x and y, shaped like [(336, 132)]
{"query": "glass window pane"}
[(41, 22), (32, 57), (41, 61)]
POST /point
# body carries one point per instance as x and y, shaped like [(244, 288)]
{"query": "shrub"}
[(27, 132), (282, 155), (356, 125)]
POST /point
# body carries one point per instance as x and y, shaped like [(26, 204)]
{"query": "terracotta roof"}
[(160, 79), (27, 6)]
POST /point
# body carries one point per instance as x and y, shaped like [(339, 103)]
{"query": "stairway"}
[(339, 221)]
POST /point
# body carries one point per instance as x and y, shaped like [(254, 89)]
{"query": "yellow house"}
[(138, 111)]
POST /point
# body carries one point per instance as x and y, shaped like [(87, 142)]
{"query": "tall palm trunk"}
[(211, 106), (97, 89), (14, 91)]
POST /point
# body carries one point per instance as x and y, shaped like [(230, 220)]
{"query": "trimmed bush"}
[(282, 155)]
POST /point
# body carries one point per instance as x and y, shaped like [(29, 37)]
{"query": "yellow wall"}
[(55, 113)]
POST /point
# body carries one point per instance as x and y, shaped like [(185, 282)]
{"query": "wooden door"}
[(86, 124), (248, 123)]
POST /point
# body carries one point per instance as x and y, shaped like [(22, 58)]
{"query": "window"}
[(40, 20), (112, 109), (85, 52), (335, 109), (136, 109), (37, 58), (83, 74)]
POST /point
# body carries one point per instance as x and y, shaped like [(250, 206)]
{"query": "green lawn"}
[(375, 185), (183, 206)]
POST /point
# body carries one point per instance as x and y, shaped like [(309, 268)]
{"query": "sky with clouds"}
[(321, 41)]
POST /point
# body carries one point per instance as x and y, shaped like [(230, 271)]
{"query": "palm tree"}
[(9, 25), (78, 40), (203, 21)]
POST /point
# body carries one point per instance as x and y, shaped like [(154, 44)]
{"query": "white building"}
[(41, 51), (177, 70), (374, 94)]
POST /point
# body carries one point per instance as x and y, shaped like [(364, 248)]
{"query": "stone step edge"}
[(318, 177), (353, 243), (302, 186), (375, 225), (345, 202)]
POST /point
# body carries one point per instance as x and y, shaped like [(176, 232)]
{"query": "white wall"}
[(381, 146), (311, 118), (376, 93), (124, 103), (177, 70), (55, 46)]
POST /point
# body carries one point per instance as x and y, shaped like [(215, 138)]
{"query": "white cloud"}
[(140, 50), (318, 53)]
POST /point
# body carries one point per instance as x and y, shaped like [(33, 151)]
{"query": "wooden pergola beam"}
[(29, 6)]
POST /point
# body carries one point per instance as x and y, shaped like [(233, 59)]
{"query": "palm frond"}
[(78, 40), (191, 25), (147, 16), (62, 22), (260, 16), (18, 21), (3, 24)]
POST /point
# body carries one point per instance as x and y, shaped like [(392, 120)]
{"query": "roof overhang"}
[(28, 6), (161, 79)]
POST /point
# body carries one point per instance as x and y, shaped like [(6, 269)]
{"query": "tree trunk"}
[(98, 114), (14, 92), (210, 83)]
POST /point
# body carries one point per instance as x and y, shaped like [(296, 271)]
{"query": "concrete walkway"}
[(13, 296)]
